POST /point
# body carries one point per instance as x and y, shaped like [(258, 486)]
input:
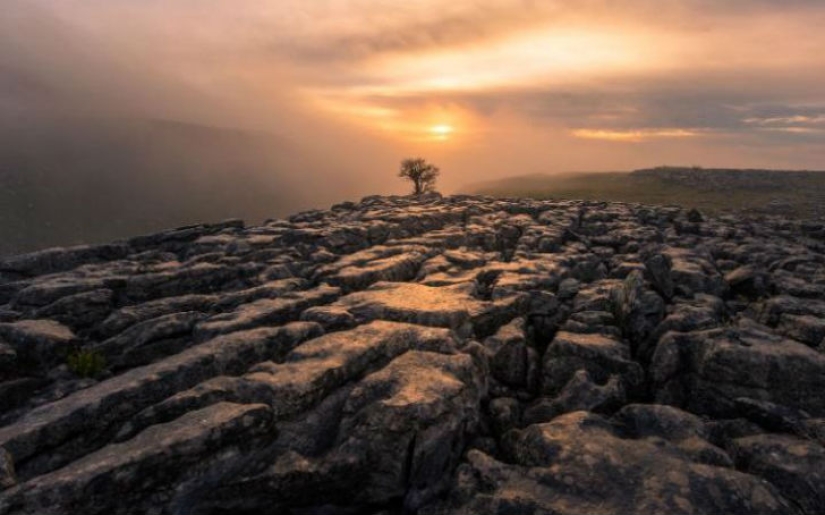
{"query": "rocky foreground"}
[(452, 356)]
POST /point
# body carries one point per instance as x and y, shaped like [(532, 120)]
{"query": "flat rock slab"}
[(39, 342), (449, 306), (316, 368), (262, 312), (87, 413), (120, 475)]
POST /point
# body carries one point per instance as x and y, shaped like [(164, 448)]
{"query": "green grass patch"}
[(86, 362)]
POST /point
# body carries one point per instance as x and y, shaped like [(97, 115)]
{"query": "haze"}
[(121, 116)]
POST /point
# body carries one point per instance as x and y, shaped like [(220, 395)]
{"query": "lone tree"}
[(421, 173)]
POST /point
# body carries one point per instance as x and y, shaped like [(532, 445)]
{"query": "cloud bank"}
[(485, 88)]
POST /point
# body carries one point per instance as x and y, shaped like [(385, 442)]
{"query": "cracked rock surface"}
[(441, 356)]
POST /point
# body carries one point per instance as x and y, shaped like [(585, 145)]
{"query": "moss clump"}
[(86, 362)]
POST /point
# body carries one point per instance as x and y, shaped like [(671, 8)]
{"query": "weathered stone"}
[(748, 280), (512, 360), (211, 391), (694, 273), (15, 392), (361, 269), (637, 310), (40, 343), (398, 437), (270, 290), (772, 417), (773, 309), (600, 356), (465, 259), (265, 312), (8, 360), (807, 329), (505, 414), (7, 476), (136, 475), (147, 341), (50, 289), (684, 430), (127, 316), (792, 465), (201, 278), (471, 330), (430, 402), (579, 394), (176, 239), (579, 464), (658, 266), (60, 259), (331, 318), (706, 371), (568, 288), (84, 417), (595, 296), (694, 216), (313, 370), (451, 307), (79, 310)]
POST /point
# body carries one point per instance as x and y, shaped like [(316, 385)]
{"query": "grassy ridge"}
[(715, 191)]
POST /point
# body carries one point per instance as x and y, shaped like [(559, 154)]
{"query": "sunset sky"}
[(485, 88)]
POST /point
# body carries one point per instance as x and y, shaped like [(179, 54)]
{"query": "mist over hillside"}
[(75, 180)]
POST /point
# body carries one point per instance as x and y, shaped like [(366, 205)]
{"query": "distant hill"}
[(793, 193), (68, 181)]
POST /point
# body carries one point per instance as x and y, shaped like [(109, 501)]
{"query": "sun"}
[(441, 131)]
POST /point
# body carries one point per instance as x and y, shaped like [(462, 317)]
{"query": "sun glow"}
[(441, 131)]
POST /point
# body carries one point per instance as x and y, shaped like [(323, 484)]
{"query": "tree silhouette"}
[(421, 173)]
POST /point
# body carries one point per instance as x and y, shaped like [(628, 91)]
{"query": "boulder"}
[(505, 414), (807, 329), (599, 355), (513, 362), (748, 280), (705, 371), (579, 463), (429, 402), (581, 393), (792, 465)]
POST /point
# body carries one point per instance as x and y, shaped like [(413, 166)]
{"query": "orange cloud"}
[(634, 136)]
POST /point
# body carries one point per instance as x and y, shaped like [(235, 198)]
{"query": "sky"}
[(483, 88)]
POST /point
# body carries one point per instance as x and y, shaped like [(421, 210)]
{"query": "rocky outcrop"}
[(428, 355)]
